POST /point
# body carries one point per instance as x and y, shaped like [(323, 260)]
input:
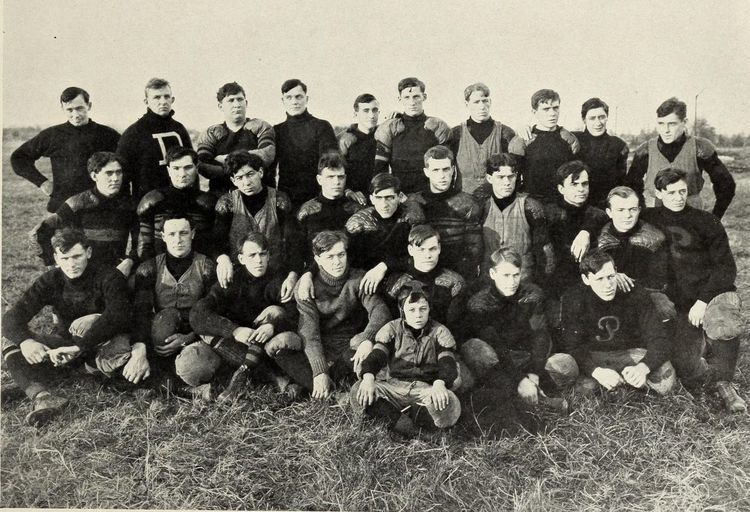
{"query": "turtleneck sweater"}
[(358, 149), (607, 157)]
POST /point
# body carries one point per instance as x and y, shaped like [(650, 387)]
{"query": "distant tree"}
[(705, 130)]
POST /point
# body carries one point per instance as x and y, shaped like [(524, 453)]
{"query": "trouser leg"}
[(295, 364), (31, 378), (723, 326)]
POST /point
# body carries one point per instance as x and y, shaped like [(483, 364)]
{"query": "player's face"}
[(624, 212), (425, 256), (670, 127), (479, 106), (416, 314), (440, 173), (412, 101), (73, 262), (77, 110), (333, 260), (546, 114), (234, 107), (295, 101), (109, 179), (575, 191), (507, 278), (596, 121), (254, 259), (332, 182), (674, 197), (367, 114), (503, 181), (178, 237), (248, 180), (603, 282), (160, 100), (182, 172), (385, 202)]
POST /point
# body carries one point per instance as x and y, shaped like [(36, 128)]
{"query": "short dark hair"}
[(72, 93), (384, 181), (422, 232), (620, 191), (98, 160), (479, 86), (324, 240), (177, 152), (331, 160), (238, 159), (411, 292), (363, 98), (572, 169), (593, 261), (178, 216), (505, 254), (256, 237), (591, 104), (290, 84), (65, 239), (672, 105), (438, 153), (155, 83), (668, 176), (543, 96), (228, 89), (495, 162), (410, 81)]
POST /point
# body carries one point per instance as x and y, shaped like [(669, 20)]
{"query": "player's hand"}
[(357, 196), (262, 334), (437, 395), (125, 267), (46, 187), (63, 355), (363, 350), (33, 351), (137, 367), (243, 334), (528, 391), (697, 312), (580, 245), (322, 386), (224, 270), (624, 282), (268, 315), (636, 375), (371, 280), (366, 392), (220, 158), (287, 287), (609, 379), (305, 287), (174, 343)]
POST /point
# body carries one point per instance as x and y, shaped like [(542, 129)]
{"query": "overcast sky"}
[(631, 54)]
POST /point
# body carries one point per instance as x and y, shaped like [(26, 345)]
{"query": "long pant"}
[(107, 359), (404, 394), (296, 365)]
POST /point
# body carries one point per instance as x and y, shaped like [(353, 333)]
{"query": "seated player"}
[(454, 214), (415, 364), (166, 287), (611, 338), (254, 207), (357, 145), (181, 197), (445, 287), (251, 136), (701, 285), (514, 220), (94, 314), (402, 140), (338, 326), (250, 311), (105, 213), (379, 234)]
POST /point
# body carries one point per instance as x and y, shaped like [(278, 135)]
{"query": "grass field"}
[(627, 451)]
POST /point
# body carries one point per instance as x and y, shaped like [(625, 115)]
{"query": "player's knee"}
[(196, 364), (449, 416), (80, 326), (283, 341), (562, 369), (113, 354), (723, 319), (478, 355)]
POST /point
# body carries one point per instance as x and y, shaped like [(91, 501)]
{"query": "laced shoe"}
[(45, 407), (732, 400), (236, 385)]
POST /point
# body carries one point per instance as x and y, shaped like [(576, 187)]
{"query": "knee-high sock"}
[(28, 377), (723, 359)]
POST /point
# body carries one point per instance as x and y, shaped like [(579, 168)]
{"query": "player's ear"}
[(192, 233), (424, 96), (89, 252), (585, 280)]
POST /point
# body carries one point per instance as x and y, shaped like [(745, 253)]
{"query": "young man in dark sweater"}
[(180, 197), (145, 143), (403, 140), (338, 326), (68, 146), (237, 133), (673, 148), (605, 154), (702, 272), (547, 147), (105, 213), (300, 141), (611, 338), (454, 214), (477, 138), (94, 314), (357, 144)]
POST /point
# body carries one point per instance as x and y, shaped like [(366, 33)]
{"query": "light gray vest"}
[(471, 157), (182, 293), (266, 221), (509, 229), (687, 160)]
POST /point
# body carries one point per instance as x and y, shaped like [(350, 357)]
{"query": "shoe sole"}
[(40, 417)]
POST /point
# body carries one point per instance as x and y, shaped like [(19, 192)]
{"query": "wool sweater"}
[(641, 253), (607, 157), (321, 214), (358, 149)]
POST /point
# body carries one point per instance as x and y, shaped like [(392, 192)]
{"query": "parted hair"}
[(155, 83), (573, 169), (177, 152), (672, 105), (98, 160), (255, 237), (410, 81), (71, 93), (238, 159), (290, 84), (668, 176), (422, 232), (331, 160), (496, 161), (505, 254), (471, 89), (363, 98), (65, 239), (228, 89), (324, 240), (543, 96), (592, 262), (384, 181), (438, 153), (178, 216), (620, 191), (591, 104)]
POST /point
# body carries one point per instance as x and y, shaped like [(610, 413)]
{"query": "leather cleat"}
[(46, 406), (236, 386), (732, 400)]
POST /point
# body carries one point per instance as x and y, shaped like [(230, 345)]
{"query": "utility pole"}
[(695, 114)]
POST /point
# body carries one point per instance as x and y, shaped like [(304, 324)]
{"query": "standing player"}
[(357, 144)]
